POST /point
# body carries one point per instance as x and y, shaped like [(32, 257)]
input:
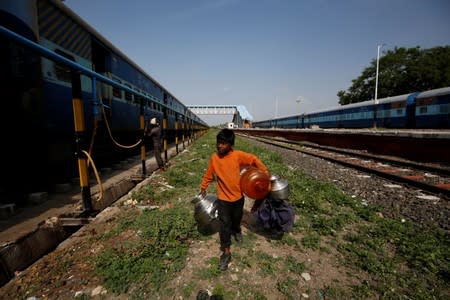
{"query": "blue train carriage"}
[(42, 88), (432, 109), (330, 118), (429, 109), (389, 113), (289, 122), (392, 112), (271, 123), (65, 33), (122, 107)]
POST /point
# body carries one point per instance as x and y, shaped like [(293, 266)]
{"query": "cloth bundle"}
[(276, 216)]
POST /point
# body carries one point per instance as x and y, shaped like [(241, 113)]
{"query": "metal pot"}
[(205, 213), (255, 184), (280, 188)]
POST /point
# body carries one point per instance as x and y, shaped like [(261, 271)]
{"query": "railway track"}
[(431, 178)]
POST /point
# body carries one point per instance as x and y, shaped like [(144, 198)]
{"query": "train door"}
[(300, 121), (340, 119), (411, 111), (101, 61)]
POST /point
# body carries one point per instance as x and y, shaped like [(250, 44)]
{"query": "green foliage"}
[(289, 240), (256, 295), (266, 263), (287, 286), (337, 293), (212, 271), (401, 261), (188, 290), (294, 266), (311, 240), (220, 292), (244, 261), (156, 258), (125, 222), (401, 71), (425, 253), (362, 291)]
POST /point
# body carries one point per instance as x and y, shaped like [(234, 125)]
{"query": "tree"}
[(401, 71)]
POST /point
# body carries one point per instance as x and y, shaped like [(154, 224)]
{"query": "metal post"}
[(276, 107), (376, 76), (143, 128), (79, 124), (376, 87), (176, 134)]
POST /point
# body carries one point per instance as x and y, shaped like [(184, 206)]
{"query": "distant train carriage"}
[(288, 122), (432, 109), (429, 109), (391, 112)]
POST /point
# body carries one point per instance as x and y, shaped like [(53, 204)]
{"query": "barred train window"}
[(62, 71), (117, 93), (128, 95)]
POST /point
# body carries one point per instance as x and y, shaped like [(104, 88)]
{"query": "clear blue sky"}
[(263, 54)]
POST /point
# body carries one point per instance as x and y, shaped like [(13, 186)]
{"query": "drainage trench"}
[(20, 254), (26, 248)]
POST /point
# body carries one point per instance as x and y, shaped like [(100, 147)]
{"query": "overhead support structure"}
[(239, 112)]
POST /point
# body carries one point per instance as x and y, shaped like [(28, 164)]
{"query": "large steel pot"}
[(280, 188), (205, 213)]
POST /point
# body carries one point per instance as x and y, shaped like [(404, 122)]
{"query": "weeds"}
[(155, 257), (400, 260)]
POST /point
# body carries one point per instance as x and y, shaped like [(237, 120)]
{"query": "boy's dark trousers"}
[(230, 216)]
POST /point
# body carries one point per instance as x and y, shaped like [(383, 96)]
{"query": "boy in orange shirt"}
[(225, 166)]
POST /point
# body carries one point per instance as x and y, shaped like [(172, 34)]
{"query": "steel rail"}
[(387, 175)]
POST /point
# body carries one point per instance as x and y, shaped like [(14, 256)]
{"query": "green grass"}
[(157, 256), (402, 260)]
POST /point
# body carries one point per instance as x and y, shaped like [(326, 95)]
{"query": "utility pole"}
[(376, 88)]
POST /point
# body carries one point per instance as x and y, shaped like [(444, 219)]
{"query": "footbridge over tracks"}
[(240, 114)]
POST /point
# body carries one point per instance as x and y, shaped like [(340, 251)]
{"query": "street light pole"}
[(298, 117), (376, 76), (376, 87), (276, 107)]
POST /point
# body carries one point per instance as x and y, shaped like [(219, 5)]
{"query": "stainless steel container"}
[(280, 188), (205, 213)]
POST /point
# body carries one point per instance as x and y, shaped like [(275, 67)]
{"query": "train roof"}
[(347, 106), (429, 93), (435, 92), (364, 103)]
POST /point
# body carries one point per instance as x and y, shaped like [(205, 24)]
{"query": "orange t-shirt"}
[(227, 171)]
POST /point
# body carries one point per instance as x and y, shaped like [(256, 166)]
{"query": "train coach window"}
[(137, 99), (62, 71), (117, 93), (423, 109), (128, 95)]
